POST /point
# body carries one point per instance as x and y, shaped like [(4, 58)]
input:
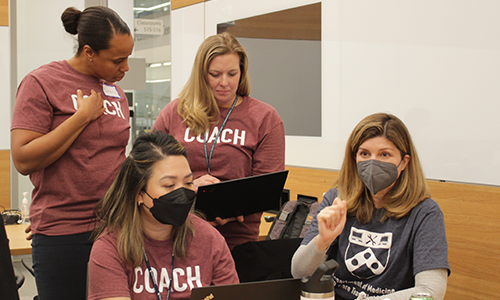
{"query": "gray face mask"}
[(377, 175)]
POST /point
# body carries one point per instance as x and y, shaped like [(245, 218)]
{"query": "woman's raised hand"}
[(331, 221)]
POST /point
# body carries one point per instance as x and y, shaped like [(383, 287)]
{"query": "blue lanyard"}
[(153, 279), (209, 158)]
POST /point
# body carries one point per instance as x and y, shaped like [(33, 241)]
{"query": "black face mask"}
[(173, 208)]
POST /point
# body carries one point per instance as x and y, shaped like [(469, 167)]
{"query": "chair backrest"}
[(8, 284), (294, 218)]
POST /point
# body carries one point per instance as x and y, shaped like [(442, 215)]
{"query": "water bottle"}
[(320, 285), (421, 296), (25, 210)]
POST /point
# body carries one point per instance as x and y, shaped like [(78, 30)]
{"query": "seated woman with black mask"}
[(148, 243)]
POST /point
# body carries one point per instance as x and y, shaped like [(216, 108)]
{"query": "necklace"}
[(208, 158)]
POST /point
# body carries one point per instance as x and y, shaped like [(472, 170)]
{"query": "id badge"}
[(110, 90)]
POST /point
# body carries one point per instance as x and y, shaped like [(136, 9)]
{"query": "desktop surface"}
[(17, 239)]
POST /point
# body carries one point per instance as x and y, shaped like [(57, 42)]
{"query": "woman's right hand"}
[(33, 151), (92, 106), (204, 180), (331, 221), (28, 231)]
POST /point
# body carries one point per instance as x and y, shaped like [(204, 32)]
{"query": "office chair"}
[(19, 278), (28, 266), (9, 283)]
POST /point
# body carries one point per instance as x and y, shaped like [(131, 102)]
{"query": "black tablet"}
[(241, 197)]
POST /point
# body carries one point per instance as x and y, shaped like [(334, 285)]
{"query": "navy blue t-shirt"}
[(381, 258)]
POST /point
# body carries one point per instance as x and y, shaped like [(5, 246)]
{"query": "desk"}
[(264, 226), (17, 237), (20, 246)]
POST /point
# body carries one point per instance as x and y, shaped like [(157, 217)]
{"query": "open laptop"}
[(281, 289), (243, 196)]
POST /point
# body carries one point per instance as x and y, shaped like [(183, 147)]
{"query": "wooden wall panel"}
[(4, 12), (310, 182), (5, 179), (300, 23), (181, 3), (472, 220)]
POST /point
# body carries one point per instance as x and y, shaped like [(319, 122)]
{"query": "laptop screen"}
[(281, 289), (285, 197)]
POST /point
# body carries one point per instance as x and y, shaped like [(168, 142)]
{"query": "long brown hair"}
[(197, 105), (410, 188), (118, 211)]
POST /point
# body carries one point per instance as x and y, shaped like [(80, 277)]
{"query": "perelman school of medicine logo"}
[(367, 253)]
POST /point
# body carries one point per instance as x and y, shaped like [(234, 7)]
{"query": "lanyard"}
[(153, 279), (209, 158)]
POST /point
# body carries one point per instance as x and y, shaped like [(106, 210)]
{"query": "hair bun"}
[(70, 18)]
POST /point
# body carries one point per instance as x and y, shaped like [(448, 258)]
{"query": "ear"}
[(140, 198), (88, 52), (405, 162)]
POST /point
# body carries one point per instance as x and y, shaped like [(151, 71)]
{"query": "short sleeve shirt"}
[(66, 192), (208, 262), (379, 258)]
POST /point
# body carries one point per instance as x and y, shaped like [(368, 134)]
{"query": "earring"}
[(91, 60)]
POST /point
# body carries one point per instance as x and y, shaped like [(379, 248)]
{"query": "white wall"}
[(124, 9), (187, 30), (433, 63), (282, 71), (436, 65), (5, 77), (39, 42)]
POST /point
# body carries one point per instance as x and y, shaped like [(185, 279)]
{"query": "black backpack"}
[(294, 218)]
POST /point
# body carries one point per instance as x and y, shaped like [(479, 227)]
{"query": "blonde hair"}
[(410, 188), (118, 211), (197, 105)]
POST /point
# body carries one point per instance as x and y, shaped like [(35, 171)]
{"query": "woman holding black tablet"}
[(227, 133)]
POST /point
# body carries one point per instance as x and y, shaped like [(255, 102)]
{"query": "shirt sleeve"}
[(313, 229), (430, 281), (224, 268), (430, 249), (270, 153), (161, 123), (105, 263), (307, 258), (32, 110)]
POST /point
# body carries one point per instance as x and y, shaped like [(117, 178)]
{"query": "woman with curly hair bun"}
[(70, 129)]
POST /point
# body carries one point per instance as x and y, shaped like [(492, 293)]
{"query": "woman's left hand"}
[(219, 221)]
